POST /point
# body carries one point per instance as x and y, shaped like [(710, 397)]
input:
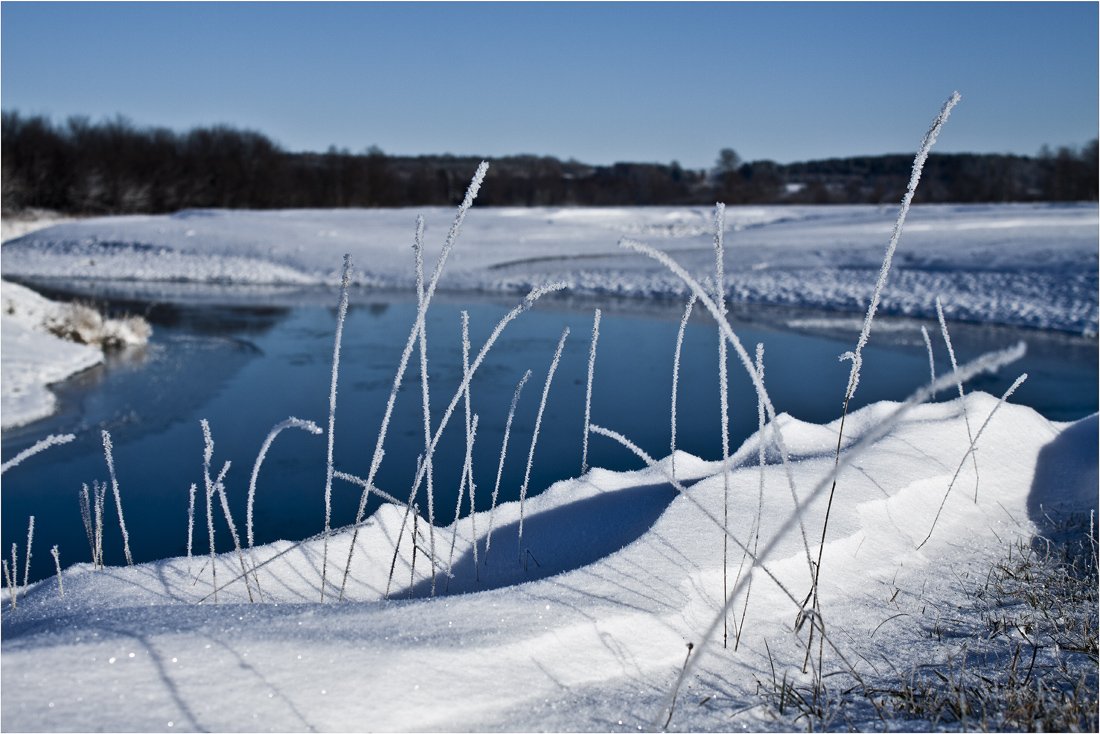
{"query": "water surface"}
[(247, 360)]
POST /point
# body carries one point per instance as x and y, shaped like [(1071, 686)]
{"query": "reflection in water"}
[(249, 365)]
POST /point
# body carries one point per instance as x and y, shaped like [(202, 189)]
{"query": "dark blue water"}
[(245, 367)]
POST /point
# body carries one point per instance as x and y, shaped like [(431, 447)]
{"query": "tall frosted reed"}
[(588, 389), (535, 435), (418, 325), (422, 336), (99, 489), (727, 331), (503, 453), (220, 489), (676, 374), (931, 356), (723, 390), (471, 435), (341, 315), (970, 452), (411, 508), (190, 524), (118, 499), (48, 441), (27, 562), (884, 271), (208, 484), (8, 580), (86, 517), (754, 530), (989, 362), (467, 478), (958, 383), (527, 303), (292, 422), (856, 356), (467, 472)]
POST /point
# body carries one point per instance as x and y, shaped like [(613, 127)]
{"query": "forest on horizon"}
[(115, 167)]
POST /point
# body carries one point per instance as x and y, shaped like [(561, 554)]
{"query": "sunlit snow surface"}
[(32, 357), (1021, 264), (585, 625), (594, 634)]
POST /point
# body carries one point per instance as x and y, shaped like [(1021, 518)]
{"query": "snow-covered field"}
[(1021, 264), (585, 623)]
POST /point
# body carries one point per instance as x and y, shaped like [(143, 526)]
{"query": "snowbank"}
[(584, 630), (1030, 265), (44, 342)]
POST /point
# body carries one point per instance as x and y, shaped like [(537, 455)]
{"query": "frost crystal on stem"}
[(535, 435), (676, 374), (503, 453), (118, 500), (588, 390)]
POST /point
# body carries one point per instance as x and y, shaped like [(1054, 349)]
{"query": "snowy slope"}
[(1023, 264), (591, 637), (32, 357)]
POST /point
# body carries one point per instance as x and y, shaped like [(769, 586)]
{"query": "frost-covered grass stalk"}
[(958, 383), (412, 538), (723, 389), (987, 363), (746, 362), (754, 531), (931, 356), (970, 451), (86, 518), (7, 579), (535, 435), (527, 303), (471, 435), (99, 491), (207, 457), (588, 390), (676, 374), (422, 336), (341, 315), (467, 478), (676, 688), (856, 356), (118, 499), (57, 564), (220, 488), (15, 569), (190, 523), (471, 429), (410, 508), (500, 463), (292, 422), (48, 441), (30, 546), (418, 325), (473, 505)]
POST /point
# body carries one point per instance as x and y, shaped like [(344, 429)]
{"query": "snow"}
[(1031, 265), (594, 634), (584, 626), (32, 357)]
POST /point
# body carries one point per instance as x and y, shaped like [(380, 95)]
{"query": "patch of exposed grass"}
[(1022, 656)]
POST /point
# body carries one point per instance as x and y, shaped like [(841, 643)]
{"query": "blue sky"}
[(599, 82)]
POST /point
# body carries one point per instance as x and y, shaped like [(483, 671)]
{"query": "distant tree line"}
[(113, 166)]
